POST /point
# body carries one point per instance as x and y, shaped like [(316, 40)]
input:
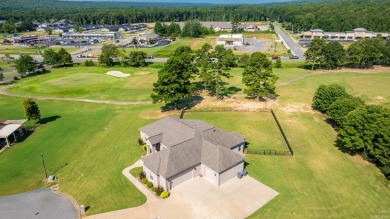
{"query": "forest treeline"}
[(327, 15)]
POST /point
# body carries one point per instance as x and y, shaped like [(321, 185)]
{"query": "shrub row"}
[(159, 191)]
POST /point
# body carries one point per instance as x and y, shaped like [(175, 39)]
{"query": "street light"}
[(44, 167)]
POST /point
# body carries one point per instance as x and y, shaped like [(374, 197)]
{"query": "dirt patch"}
[(298, 108), (157, 114), (195, 43), (238, 103)]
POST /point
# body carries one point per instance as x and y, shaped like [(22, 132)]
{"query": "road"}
[(289, 43)]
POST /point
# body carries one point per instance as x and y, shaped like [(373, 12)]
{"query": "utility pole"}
[(43, 163)]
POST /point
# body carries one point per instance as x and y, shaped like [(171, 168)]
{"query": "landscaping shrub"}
[(144, 180), (153, 189), (140, 142), (144, 147), (149, 184), (89, 63), (164, 194), (142, 175), (159, 190), (16, 78)]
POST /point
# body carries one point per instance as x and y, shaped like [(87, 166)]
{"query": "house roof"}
[(189, 143)]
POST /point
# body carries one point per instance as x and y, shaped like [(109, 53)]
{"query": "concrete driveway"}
[(198, 198), (39, 204)]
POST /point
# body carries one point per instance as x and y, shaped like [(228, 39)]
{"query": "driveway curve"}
[(40, 204), (5, 93)]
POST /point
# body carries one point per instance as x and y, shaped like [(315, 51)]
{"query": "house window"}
[(151, 176)]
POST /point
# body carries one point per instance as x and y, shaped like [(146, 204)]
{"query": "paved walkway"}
[(3, 92), (198, 198)]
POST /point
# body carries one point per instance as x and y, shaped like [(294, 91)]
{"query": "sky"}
[(198, 1)]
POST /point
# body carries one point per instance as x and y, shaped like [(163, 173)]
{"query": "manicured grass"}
[(91, 83), (88, 145), (136, 171), (85, 145), (371, 87), (259, 128), (320, 181), (166, 51)]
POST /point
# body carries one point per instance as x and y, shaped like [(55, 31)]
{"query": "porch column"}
[(6, 139)]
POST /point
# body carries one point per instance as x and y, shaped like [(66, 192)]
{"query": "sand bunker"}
[(118, 74)]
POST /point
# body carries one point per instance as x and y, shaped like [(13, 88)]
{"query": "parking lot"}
[(254, 45)]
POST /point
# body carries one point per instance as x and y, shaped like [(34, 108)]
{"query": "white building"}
[(230, 40)]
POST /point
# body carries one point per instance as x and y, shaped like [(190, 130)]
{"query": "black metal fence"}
[(284, 135), (267, 152)]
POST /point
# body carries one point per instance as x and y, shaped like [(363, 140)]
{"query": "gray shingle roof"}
[(191, 142)]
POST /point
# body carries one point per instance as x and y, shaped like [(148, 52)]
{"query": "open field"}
[(98, 141), (319, 181), (92, 83), (371, 87), (85, 145), (260, 128)]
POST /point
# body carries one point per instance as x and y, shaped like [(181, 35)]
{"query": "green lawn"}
[(259, 128), (91, 83), (371, 87), (166, 51), (87, 147), (320, 181)]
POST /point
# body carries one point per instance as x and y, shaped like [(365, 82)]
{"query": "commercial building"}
[(356, 34)]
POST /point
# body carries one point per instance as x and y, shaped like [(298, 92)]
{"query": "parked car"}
[(275, 57), (294, 57)]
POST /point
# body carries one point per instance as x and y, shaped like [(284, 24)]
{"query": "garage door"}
[(210, 175), (180, 178)]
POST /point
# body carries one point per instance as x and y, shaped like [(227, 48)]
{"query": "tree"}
[(31, 110), (25, 63), (137, 59), (236, 24), (49, 31), (78, 29), (334, 55), (315, 51), (215, 66), (174, 79), (50, 57), (325, 95), (243, 60), (340, 108), (386, 53), (64, 56), (9, 26), (365, 52), (258, 77), (278, 63), (1, 76), (108, 52), (134, 41), (192, 29), (159, 28), (173, 30)]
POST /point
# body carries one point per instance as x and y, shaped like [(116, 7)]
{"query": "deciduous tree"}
[(108, 52), (64, 56), (50, 57), (31, 110), (325, 95), (258, 77), (174, 79), (25, 63)]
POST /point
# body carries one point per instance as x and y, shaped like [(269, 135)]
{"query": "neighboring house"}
[(230, 40), (356, 34), (180, 149), (144, 39), (249, 28)]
